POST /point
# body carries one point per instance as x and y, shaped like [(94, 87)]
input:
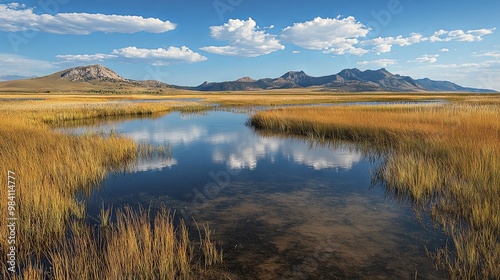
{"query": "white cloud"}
[(494, 54), (469, 66), (295, 52), (335, 35), (460, 35), (382, 48), (157, 57), (444, 50), (346, 35), (384, 45), (161, 56), (16, 5), (244, 39), (426, 58), (15, 17), (86, 57), (19, 65), (379, 62), (350, 50)]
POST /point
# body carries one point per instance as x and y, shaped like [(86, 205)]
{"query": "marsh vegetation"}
[(442, 159)]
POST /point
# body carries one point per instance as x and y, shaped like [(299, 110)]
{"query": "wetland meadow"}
[(257, 185)]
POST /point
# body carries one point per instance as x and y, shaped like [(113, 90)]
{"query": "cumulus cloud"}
[(336, 36), (157, 57), (16, 17), (460, 35), (161, 55), (244, 39), (382, 48), (444, 50), (382, 45), (332, 35), (426, 58), (379, 62)]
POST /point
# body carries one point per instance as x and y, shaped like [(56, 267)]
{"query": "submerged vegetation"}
[(52, 238), (441, 158)]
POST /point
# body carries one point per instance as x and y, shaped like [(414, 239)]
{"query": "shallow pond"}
[(281, 207)]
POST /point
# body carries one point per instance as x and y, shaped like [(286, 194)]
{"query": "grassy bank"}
[(50, 167), (442, 158)]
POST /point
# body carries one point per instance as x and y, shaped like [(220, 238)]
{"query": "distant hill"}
[(447, 86), (99, 79), (345, 80), (84, 78)]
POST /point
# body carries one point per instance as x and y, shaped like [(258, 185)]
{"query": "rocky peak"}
[(294, 75), (90, 73), (245, 80), (349, 73), (383, 70)]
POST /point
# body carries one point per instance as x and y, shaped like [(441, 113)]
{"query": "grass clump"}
[(50, 168), (136, 246), (445, 158)]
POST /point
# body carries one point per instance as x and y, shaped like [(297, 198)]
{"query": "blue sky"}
[(189, 42)]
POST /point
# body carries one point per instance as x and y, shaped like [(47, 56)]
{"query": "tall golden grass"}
[(133, 248), (260, 97), (314, 96), (287, 99), (445, 158), (50, 168)]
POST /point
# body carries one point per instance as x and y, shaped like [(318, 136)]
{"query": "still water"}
[(281, 207)]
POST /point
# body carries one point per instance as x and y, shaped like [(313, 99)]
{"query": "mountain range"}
[(99, 78), (346, 80)]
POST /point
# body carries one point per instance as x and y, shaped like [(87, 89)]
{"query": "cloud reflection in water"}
[(245, 153)]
